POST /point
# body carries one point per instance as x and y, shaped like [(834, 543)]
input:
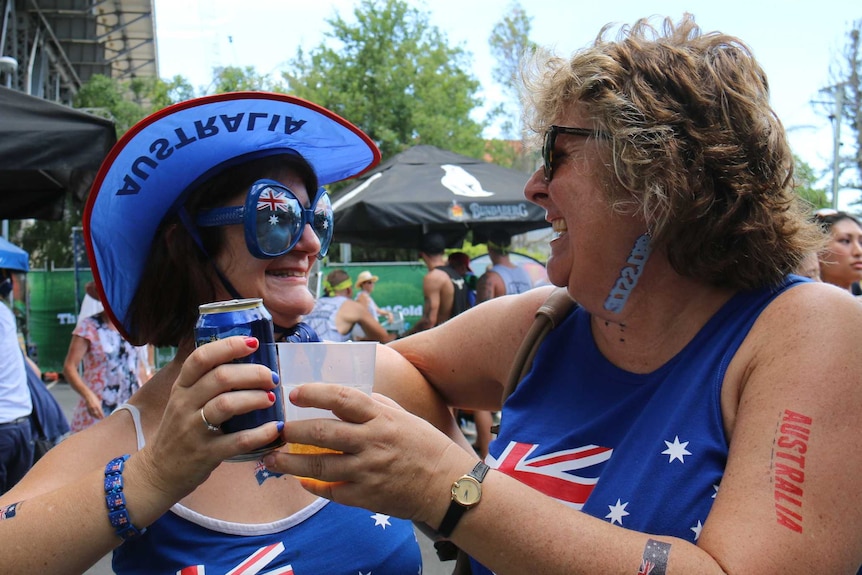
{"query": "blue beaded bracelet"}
[(116, 501)]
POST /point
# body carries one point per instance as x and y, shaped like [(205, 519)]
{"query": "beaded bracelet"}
[(116, 501)]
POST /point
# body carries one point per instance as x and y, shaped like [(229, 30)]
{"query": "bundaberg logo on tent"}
[(456, 211)]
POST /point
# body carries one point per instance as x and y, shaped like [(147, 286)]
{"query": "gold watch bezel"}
[(459, 496)]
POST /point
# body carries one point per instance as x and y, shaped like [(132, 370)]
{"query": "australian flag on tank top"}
[(325, 537), (643, 451)]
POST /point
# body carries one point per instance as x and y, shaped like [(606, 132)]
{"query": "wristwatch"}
[(466, 494)]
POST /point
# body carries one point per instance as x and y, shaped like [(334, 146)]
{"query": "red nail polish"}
[(251, 342), (271, 396)]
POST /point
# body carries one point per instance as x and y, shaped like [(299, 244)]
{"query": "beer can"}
[(245, 317)]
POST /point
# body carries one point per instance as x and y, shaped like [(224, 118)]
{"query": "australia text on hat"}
[(162, 148)]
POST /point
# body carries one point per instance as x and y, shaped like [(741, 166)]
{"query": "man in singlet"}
[(504, 277), (335, 314), (444, 289)]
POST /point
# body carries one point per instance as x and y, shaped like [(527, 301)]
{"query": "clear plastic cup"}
[(344, 363)]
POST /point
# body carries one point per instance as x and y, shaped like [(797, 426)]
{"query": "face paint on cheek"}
[(629, 275)]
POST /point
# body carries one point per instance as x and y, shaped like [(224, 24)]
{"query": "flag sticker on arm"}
[(654, 560)]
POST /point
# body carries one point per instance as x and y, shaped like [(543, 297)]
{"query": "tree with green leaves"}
[(806, 181), (510, 44), (236, 78), (392, 74)]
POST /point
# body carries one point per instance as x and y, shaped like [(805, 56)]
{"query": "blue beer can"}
[(249, 318)]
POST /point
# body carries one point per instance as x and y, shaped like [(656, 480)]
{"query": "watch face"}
[(467, 491)]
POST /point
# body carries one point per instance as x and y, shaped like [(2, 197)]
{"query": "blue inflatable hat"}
[(149, 172)]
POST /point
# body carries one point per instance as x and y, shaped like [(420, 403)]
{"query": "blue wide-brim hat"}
[(150, 171)]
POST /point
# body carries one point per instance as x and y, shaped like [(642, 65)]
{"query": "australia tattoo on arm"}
[(788, 467)]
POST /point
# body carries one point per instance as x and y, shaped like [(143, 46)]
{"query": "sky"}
[(796, 42)]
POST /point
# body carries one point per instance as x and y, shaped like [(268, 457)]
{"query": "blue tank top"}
[(643, 451), (324, 537)]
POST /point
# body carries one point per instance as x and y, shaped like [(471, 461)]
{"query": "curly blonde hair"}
[(693, 146)]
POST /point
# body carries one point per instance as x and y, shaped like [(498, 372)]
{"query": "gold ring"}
[(210, 426)]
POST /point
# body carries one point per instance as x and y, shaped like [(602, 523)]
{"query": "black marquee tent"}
[(428, 189), (46, 151)]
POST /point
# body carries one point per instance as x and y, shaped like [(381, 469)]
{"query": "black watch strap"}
[(456, 510)]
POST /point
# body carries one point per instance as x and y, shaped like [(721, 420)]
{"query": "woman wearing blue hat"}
[(211, 199)]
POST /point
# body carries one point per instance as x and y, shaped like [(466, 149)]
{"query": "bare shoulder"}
[(352, 309), (820, 316), (790, 404), (436, 275), (803, 347)]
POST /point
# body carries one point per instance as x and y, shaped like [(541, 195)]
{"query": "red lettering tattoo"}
[(794, 430)]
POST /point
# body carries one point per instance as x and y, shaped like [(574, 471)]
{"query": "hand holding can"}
[(249, 318)]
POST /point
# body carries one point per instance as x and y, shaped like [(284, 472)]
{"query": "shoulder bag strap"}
[(548, 316)]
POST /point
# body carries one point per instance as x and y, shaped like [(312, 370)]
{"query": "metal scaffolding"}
[(48, 48)]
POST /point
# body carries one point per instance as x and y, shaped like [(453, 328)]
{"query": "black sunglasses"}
[(551, 138)]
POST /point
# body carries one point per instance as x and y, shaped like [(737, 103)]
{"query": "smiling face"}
[(841, 261), (592, 242), (282, 282)]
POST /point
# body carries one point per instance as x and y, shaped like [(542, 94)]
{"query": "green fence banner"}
[(53, 314), (54, 303)]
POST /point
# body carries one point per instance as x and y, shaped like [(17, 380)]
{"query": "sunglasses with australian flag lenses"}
[(273, 219), (551, 139)]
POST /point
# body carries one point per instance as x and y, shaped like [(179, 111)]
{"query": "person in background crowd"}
[(335, 314), (229, 206), (113, 368), (16, 442), (90, 305), (460, 262), (809, 267), (841, 260), (673, 421), (444, 290), (504, 277), (364, 285)]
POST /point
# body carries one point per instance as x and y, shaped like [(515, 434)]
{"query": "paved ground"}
[(432, 566)]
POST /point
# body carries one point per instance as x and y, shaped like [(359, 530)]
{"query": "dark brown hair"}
[(178, 276), (829, 218)]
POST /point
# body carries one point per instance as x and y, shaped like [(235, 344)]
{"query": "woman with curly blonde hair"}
[(697, 412)]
